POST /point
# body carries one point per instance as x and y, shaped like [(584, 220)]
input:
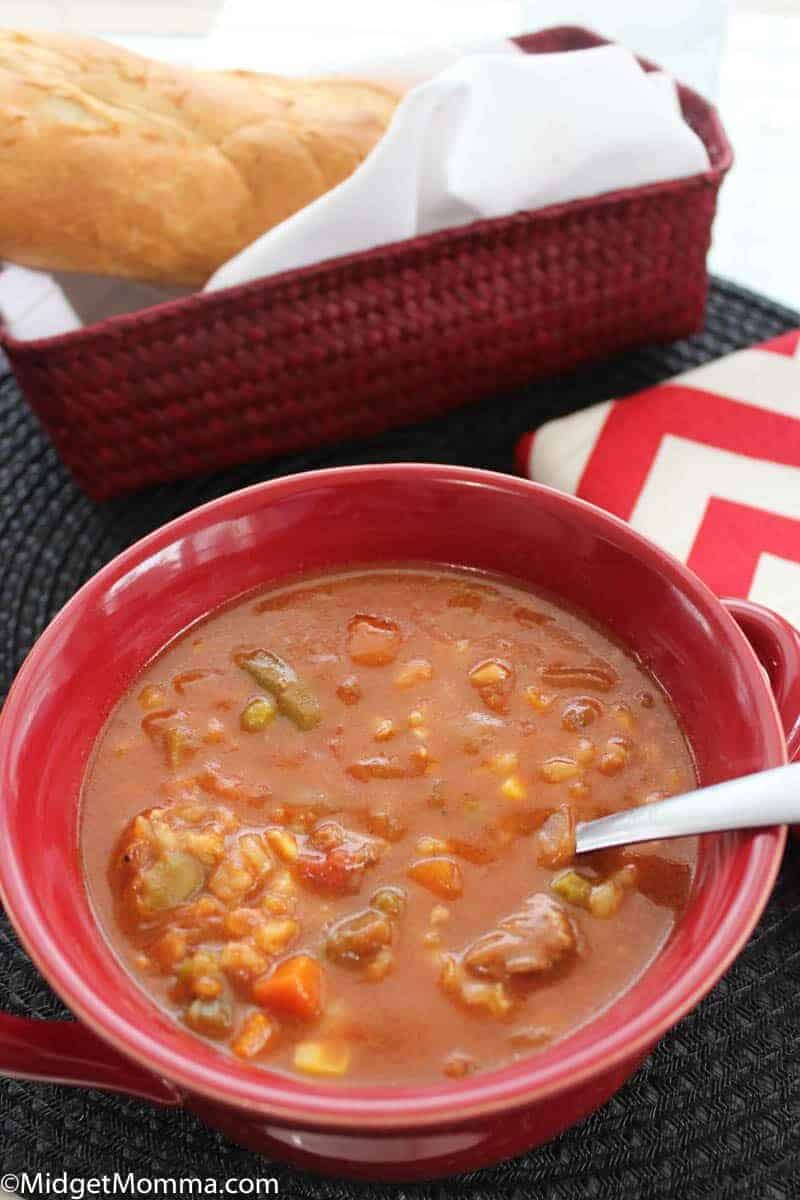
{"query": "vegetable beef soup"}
[(331, 827)]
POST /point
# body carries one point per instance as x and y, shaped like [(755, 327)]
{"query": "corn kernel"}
[(208, 846), (431, 938), (541, 701), (230, 883), (239, 922), (274, 936), (558, 770), (206, 987), (440, 914), (488, 674), (258, 714), (201, 963), (586, 751), (604, 900), (329, 1058), (613, 759), (283, 884), (416, 670), (152, 697), (383, 730), (255, 854), (415, 718), (504, 763), (278, 906), (513, 788), (624, 717), (239, 958), (491, 996), (421, 733), (284, 844)]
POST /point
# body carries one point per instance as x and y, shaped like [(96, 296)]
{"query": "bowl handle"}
[(68, 1052), (777, 644)]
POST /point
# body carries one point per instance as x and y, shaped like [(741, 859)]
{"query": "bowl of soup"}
[(290, 790)]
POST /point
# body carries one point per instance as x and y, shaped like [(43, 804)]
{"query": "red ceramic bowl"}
[(109, 630)]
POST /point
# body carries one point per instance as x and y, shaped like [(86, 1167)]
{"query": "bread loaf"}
[(115, 164)]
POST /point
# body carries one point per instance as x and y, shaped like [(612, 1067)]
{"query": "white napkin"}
[(490, 133)]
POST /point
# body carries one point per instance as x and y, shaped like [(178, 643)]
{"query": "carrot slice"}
[(294, 988), (258, 1033), (439, 875)]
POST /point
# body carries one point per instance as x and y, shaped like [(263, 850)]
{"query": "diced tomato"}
[(338, 872)]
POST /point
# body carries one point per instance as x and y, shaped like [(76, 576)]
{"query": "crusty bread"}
[(118, 165)]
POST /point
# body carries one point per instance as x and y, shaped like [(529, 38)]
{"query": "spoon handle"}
[(766, 798)]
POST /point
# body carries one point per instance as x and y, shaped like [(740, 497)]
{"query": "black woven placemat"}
[(715, 1112)]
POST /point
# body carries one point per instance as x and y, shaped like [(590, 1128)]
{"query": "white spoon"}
[(766, 798)]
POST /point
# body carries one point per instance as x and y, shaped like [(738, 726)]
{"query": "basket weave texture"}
[(387, 337)]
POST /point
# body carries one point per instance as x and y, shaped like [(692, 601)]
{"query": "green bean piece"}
[(257, 714), (295, 700), (300, 705), (171, 881), (269, 671), (573, 888)]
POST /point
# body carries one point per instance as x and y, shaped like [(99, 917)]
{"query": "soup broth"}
[(331, 827)]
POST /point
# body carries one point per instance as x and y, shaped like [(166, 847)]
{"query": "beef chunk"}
[(358, 939), (533, 940)]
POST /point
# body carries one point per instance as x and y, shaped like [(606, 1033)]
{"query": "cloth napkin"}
[(489, 135), (706, 465), (477, 134)]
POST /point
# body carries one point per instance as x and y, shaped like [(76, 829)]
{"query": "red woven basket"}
[(393, 335)]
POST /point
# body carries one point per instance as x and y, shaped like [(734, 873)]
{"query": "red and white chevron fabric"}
[(707, 465)]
